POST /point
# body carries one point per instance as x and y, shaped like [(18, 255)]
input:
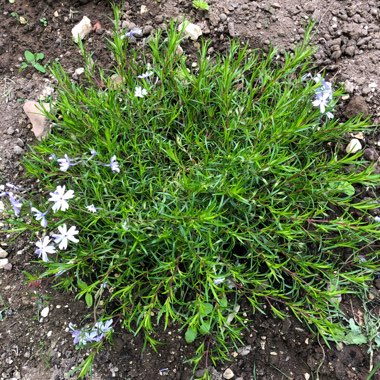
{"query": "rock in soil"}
[(3, 263), (40, 124), (354, 146), (356, 106), (82, 29), (370, 154), (3, 253), (228, 374)]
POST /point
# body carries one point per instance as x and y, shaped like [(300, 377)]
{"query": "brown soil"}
[(35, 348)]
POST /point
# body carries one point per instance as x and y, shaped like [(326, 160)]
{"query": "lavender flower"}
[(91, 208), (60, 197), (16, 204), (64, 163), (95, 334), (81, 337), (131, 34), (65, 236), (140, 92), (38, 215), (43, 248)]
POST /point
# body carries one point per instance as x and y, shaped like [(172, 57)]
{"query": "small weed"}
[(44, 21), (15, 15), (33, 59), (201, 5)]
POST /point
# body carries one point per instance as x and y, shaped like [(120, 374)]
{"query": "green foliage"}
[(201, 4), (44, 21), (229, 200), (32, 59)]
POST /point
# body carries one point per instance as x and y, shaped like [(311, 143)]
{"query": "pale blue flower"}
[(16, 204), (64, 163), (91, 208), (93, 153), (43, 248), (65, 236), (323, 95), (219, 280), (60, 197), (114, 165), (39, 215), (145, 75), (140, 92)]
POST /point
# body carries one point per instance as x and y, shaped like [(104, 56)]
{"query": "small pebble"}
[(369, 154), (354, 146), (45, 312), (228, 374), (223, 17), (3, 263), (3, 253)]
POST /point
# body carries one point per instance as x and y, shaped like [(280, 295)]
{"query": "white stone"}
[(192, 31), (228, 374), (56, 14), (243, 351), (306, 376), (354, 146), (3, 253), (3, 263), (40, 126), (2, 207), (22, 20), (82, 29), (45, 312), (143, 9), (79, 71)]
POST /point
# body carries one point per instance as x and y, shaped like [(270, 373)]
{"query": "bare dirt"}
[(347, 35)]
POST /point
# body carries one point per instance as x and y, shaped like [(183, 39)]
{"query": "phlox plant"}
[(202, 196)]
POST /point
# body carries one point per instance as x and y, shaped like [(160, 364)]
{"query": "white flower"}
[(377, 219), (44, 248), (64, 163), (145, 75), (91, 208), (114, 165), (60, 197), (65, 235), (38, 215), (140, 92), (219, 280)]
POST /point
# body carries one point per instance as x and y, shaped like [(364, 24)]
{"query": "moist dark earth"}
[(347, 35)]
